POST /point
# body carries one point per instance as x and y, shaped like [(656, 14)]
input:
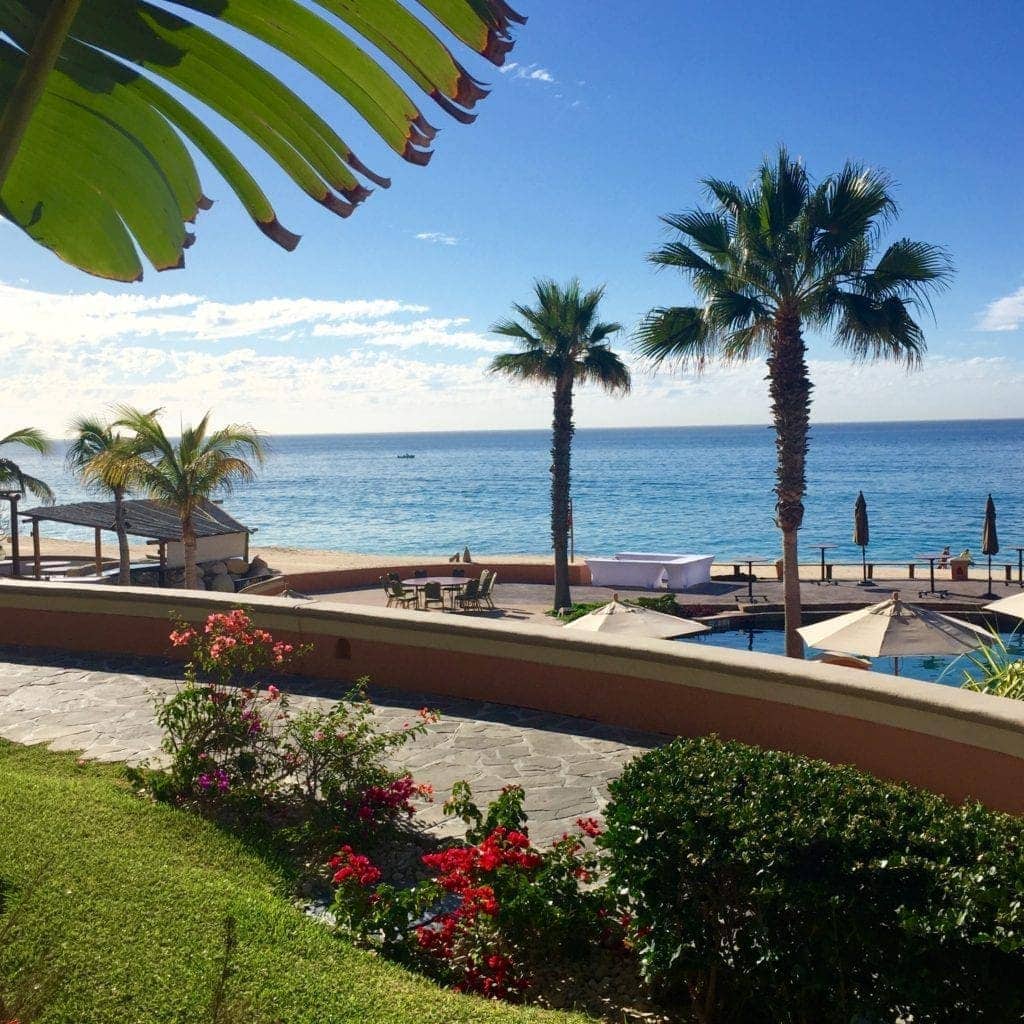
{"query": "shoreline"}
[(293, 560)]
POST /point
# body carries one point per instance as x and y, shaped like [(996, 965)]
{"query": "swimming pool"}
[(933, 669)]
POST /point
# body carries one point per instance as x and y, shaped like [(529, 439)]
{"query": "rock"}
[(237, 566), (466, 556), (257, 567), (223, 582), (215, 568)]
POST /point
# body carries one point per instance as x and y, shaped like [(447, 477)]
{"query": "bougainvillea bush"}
[(493, 907), (238, 750)]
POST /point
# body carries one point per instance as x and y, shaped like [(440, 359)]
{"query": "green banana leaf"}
[(104, 175)]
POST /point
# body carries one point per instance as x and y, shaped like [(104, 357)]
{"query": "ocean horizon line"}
[(649, 427)]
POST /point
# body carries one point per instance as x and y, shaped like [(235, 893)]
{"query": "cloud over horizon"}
[(300, 365)]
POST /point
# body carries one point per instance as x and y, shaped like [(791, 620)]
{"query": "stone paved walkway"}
[(103, 707)]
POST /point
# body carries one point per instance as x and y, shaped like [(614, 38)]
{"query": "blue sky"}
[(610, 116)]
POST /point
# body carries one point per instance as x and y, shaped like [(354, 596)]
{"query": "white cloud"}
[(388, 367), (35, 317), (437, 237), (529, 72), (1005, 314)]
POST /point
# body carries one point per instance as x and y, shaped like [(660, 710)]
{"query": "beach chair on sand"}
[(397, 594), (487, 579), (432, 595), (469, 599)]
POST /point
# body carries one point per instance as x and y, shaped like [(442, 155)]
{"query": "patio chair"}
[(420, 574), (394, 577), (397, 594), (487, 580), (432, 595), (470, 596), (458, 572)]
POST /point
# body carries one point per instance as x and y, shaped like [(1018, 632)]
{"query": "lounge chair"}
[(487, 580), (432, 595), (397, 594), (470, 596)]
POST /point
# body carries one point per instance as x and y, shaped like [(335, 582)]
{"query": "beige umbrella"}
[(618, 619), (1012, 605), (894, 630)]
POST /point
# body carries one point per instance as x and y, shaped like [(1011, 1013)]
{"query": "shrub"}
[(769, 887), (493, 906), (239, 751), (999, 672)]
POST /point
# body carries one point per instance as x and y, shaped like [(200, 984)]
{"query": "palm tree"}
[(768, 262), (107, 460), (562, 343), (186, 473), (93, 157), (12, 476)]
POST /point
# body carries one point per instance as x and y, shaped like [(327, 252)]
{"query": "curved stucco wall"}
[(957, 743)]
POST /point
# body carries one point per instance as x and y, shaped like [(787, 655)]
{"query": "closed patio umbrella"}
[(990, 539), (894, 630), (861, 533), (618, 619)]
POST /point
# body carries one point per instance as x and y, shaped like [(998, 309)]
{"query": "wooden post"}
[(163, 564), (37, 561), (15, 566), (99, 552)]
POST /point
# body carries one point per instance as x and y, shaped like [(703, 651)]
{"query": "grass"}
[(117, 910)]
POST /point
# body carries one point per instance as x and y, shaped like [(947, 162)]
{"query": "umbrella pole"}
[(989, 594), (895, 666)]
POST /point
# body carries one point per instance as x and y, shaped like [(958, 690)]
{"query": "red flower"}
[(589, 826)]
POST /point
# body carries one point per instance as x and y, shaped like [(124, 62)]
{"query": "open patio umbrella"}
[(618, 619), (892, 629), (1012, 605), (861, 534), (989, 539)]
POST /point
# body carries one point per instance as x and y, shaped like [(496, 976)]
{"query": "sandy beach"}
[(302, 560)]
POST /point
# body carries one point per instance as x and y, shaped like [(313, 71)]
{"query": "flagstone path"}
[(103, 707)]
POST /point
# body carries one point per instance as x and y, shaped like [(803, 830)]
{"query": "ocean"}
[(688, 489)]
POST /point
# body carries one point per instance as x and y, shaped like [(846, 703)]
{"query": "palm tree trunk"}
[(561, 454), (790, 388), (124, 574), (188, 545), (28, 90)]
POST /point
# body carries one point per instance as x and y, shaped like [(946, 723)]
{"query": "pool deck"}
[(529, 602)]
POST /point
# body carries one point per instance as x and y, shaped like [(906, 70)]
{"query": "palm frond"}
[(910, 270), (603, 367), (870, 329), (857, 202), (679, 333), (28, 437), (532, 365), (13, 477)]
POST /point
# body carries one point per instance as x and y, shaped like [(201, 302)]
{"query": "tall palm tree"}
[(107, 460), (184, 473), (12, 476), (562, 343), (776, 258)]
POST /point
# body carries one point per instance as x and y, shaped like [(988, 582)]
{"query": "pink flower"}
[(273, 693)]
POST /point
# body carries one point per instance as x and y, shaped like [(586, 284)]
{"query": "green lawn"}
[(116, 910)]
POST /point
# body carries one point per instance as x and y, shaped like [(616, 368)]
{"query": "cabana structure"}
[(219, 535)]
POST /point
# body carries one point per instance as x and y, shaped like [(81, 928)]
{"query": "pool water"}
[(933, 669)]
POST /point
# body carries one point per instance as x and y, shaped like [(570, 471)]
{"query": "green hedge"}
[(769, 887)]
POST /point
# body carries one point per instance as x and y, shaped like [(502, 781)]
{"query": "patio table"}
[(452, 584), (931, 560), (751, 561), (823, 548)]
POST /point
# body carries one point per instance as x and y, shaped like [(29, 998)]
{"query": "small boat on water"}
[(407, 455)]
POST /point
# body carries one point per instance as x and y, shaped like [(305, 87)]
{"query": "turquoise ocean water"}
[(696, 489)]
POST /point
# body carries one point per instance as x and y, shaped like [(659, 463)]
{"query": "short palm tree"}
[(106, 460), (562, 343), (12, 476), (183, 474), (772, 260)]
